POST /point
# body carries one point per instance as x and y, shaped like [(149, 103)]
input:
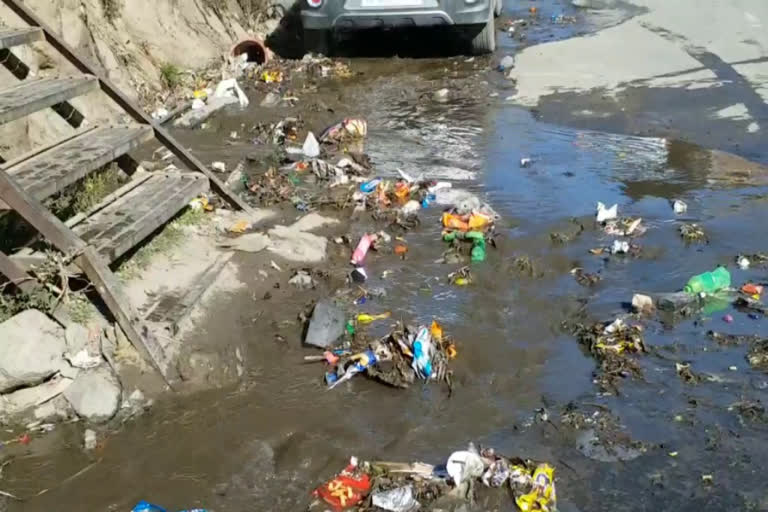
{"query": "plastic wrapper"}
[(396, 500), (542, 496)]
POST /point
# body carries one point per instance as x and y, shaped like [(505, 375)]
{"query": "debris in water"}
[(611, 344), (407, 487), (605, 214), (679, 206), (693, 233)]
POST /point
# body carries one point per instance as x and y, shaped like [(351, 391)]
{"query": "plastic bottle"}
[(370, 186), (422, 348), (478, 250), (709, 282), (362, 249)]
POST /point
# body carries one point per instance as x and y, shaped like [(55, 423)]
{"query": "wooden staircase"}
[(94, 239)]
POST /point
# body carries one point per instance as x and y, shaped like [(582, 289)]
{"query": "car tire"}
[(498, 8), (317, 41), (485, 41)]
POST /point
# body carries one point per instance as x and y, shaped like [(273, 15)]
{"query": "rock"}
[(89, 439), (642, 303), (27, 398), (294, 245), (95, 394), (53, 410), (441, 95), (31, 349), (77, 337), (84, 360), (270, 100), (326, 324)]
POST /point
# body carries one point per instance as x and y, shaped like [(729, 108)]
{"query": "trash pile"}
[(611, 344), (397, 359), (397, 201), (407, 487), (468, 224)]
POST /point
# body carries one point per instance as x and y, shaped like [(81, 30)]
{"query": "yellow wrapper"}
[(543, 496)]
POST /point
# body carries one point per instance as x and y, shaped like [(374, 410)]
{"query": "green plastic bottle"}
[(478, 250), (709, 282)]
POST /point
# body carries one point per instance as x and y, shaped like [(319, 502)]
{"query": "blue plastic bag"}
[(143, 506)]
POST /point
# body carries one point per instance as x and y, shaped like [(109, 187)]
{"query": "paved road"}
[(697, 69)]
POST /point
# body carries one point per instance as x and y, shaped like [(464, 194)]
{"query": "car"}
[(473, 19)]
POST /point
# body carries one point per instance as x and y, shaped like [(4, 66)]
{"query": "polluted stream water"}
[(548, 365)]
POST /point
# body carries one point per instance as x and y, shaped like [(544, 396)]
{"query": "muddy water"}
[(264, 444)]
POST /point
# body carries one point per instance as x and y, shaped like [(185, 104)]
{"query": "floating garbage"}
[(679, 206), (604, 214), (398, 358), (407, 487), (346, 129), (709, 282), (693, 233), (611, 344)]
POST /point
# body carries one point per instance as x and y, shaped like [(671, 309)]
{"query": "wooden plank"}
[(52, 171), (127, 318), (21, 159), (10, 37), (31, 96), (127, 221), (108, 199), (26, 14), (41, 219), (16, 275)]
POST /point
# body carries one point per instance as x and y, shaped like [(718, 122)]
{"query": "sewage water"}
[(264, 444)]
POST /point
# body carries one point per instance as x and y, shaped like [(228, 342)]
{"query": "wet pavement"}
[(264, 444)]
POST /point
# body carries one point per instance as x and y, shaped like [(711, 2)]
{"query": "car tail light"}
[(314, 3)]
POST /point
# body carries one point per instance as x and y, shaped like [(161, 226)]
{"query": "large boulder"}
[(95, 394), (326, 325), (31, 349), (26, 398)]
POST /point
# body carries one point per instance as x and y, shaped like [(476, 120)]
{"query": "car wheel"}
[(317, 41), (485, 41), (498, 7)]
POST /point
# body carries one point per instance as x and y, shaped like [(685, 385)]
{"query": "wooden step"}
[(31, 96), (46, 173), (10, 37), (123, 223)]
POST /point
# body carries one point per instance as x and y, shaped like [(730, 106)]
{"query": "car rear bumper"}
[(353, 17)]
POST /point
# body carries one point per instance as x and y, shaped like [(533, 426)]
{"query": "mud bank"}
[(132, 43)]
